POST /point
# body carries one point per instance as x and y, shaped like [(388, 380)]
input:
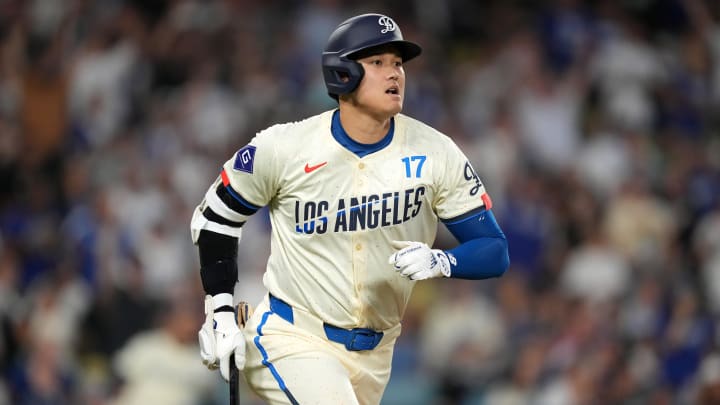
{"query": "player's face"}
[(382, 88)]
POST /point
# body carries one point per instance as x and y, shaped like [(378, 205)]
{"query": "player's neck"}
[(362, 127)]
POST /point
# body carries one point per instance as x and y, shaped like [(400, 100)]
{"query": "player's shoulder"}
[(297, 130), (287, 138), (420, 131)]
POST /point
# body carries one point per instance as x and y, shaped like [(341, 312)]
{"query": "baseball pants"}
[(296, 363)]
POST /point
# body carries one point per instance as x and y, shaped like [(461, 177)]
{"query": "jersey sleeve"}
[(460, 192), (247, 182)]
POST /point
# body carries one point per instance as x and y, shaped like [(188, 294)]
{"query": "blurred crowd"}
[(593, 124)]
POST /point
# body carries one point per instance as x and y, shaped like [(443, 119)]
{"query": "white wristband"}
[(221, 300)]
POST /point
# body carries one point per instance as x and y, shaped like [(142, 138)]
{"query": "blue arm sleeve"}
[(483, 249)]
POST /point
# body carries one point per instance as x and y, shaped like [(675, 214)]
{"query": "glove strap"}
[(443, 262), (218, 301), (222, 300)]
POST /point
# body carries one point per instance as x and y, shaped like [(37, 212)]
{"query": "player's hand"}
[(416, 261), (219, 337)]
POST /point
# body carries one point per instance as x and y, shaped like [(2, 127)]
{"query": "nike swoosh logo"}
[(310, 169)]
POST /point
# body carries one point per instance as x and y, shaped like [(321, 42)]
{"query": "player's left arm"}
[(482, 253), (463, 205), (483, 250)]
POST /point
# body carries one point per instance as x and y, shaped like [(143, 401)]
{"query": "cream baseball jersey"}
[(334, 213)]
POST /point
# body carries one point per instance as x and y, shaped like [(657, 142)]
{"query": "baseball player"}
[(355, 195)]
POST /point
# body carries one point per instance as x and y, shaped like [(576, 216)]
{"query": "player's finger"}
[(408, 271), (225, 367), (404, 256), (409, 256), (401, 244), (393, 259), (400, 261), (239, 359), (420, 275)]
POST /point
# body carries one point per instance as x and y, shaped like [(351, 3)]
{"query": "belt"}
[(356, 339)]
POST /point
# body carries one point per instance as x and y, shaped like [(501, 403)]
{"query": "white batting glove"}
[(416, 261), (220, 336)]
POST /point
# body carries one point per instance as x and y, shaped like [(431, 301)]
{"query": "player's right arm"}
[(245, 184), (216, 228)]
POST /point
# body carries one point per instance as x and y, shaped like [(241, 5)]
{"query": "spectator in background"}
[(641, 312), (603, 161), (547, 111), (595, 271), (121, 310), (45, 378), (708, 387), (44, 102), (706, 245), (49, 312), (701, 20), (687, 334), (640, 225), (159, 366), (465, 352), (496, 152), (530, 230), (625, 69), (101, 83), (521, 387)]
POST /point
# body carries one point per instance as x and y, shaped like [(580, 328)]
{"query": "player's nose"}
[(394, 72)]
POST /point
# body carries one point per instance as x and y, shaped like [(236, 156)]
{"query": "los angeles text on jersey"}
[(358, 213)]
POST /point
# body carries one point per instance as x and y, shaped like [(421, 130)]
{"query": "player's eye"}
[(398, 63)]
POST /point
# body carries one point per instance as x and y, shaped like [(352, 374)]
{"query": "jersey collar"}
[(360, 149)]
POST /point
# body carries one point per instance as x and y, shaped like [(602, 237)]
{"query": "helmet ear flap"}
[(341, 74)]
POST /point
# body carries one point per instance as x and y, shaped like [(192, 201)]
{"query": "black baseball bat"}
[(234, 383)]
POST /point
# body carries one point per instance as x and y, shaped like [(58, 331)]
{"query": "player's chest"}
[(336, 175), (345, 193)]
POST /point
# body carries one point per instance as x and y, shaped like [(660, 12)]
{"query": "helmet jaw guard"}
[(341, 73)]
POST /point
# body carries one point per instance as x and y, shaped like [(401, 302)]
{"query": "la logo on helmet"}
[(388, 23)]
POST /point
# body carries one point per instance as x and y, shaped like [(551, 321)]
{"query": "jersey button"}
[(361, 165), (358, 247)]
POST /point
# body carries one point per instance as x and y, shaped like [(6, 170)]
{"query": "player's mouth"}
[(393, 91)]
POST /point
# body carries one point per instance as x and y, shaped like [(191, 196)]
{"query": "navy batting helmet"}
[(341, 72)]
